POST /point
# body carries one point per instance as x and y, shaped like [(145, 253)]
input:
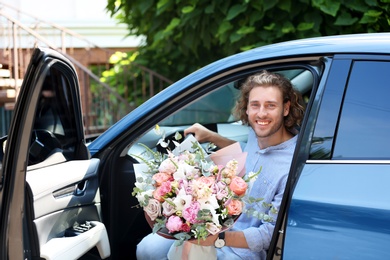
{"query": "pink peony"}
[(190, 213), (165, 188), (174, 224)]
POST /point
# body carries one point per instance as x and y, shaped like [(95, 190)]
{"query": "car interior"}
[(214, 111), (72, 198)]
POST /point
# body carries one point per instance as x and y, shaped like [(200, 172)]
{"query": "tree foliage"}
[(184, 35)]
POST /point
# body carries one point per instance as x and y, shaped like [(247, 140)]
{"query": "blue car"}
[(63, 198)]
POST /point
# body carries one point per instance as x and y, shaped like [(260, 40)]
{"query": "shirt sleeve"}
[(259, 238)]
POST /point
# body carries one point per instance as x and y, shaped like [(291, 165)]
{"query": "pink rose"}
[(234, 207), (161, 177), (158, 195), (167, 166), (238, 186), (153, 209), (174, 224), (190, 213), (206, 181)]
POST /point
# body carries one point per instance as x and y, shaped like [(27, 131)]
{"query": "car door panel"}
[(341, 196), (52, 184), (67, 195), (65, 185), (339, 204)]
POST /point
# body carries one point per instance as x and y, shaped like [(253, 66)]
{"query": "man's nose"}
[(262, 112)]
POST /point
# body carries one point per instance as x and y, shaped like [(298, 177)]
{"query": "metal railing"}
[(103, 105)]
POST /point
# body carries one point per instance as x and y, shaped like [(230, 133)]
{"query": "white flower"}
[(185, 171), (182, 200), (141, 196), (211, 204)]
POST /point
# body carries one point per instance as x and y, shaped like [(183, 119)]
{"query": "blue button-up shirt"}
[(275, 162)]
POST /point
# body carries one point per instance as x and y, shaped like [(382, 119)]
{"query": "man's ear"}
[(286, 108)]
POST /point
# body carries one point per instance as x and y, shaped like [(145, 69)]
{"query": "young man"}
[(273, 110)]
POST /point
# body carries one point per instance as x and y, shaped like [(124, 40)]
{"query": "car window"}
[(54, 126), (213, 108), (364, 126), (215, 111)]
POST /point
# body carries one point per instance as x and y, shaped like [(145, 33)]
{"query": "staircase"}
[(102, 104)]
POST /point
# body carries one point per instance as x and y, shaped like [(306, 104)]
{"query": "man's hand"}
[(202, 134)]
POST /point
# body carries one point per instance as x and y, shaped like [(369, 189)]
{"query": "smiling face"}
[(266, 112)]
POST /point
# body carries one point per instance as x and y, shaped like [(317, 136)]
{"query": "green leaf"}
[(269, 4), (330, 7), (162, 6), (234, 37), (255, 16), (234, 11), (224, 27), (162, 3), (246, 30), (305, 26), (172, 25), (145, 5), (345, 19), (288, 27), (374, 13), (187, 9), (270, 27), (375, 2), (209, 9), (159, 36), (285, 5), (370, 17)]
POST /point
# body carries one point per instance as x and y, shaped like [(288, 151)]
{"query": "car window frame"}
[(15, 238)]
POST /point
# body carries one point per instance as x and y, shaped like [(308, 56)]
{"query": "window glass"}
[(214, 110), (54, 127), (364, 127)]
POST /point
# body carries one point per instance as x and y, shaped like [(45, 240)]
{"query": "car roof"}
[(352, 43), (368, 43)]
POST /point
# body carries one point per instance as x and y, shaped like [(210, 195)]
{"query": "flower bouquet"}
[(189, 194)]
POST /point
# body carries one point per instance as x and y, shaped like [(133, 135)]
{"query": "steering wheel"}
[(171, 145), (43, 142)]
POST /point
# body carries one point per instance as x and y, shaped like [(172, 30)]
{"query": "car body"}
[(336, 204)]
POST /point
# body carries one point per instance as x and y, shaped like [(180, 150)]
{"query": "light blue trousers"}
[(154, 246)]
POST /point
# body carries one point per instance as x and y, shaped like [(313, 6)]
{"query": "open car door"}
[(49, 189)]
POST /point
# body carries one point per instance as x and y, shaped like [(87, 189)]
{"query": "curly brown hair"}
[(266, 78)]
